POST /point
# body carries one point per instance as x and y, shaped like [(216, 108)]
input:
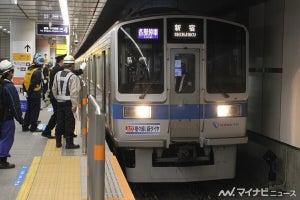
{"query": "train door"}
[(185, 94)]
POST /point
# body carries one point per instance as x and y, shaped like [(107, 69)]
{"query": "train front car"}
[(180, 104)]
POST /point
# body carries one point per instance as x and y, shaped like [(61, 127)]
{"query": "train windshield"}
[(226, 58), (140, 52)]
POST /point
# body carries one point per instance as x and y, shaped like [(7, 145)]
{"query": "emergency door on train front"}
[(185, 94)]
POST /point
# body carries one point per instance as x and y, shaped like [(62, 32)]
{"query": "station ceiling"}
[(91, 18)]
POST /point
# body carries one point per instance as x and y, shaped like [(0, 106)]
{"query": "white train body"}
[(174, 93)]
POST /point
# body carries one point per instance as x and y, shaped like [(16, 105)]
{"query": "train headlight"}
[(137, 112), (228, 110)]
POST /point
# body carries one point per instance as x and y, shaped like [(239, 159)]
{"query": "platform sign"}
[(22, 53), (60, 30), (21, 56)]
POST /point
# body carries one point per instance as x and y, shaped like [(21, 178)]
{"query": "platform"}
[(46, 172)]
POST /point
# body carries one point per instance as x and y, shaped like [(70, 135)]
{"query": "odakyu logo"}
[(218, 125)]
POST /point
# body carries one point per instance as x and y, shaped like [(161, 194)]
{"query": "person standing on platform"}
[(58, 67), (46, 73), (10, 109), (32, 91), (65, 89)]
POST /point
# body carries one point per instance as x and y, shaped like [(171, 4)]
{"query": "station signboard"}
[(55, 29)]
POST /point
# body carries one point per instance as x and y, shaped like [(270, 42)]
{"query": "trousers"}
[(7, 136), (65, 124)]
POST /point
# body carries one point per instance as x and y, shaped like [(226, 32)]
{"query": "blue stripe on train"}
[(186, 111)]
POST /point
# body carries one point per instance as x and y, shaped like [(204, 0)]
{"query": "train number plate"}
[(142, 128)]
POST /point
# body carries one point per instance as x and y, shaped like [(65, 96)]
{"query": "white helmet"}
[(69, 59), (5, 66), (39, 60)]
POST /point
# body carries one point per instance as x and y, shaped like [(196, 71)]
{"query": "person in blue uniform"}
[(59, 66), (65, 89), (33, 87), (12, 109)]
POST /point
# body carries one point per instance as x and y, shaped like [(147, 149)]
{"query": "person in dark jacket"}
[(46, 72), (59, 66), (11, 102), (32, 87)]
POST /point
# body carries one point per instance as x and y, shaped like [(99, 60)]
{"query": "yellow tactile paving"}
[(56, 177), (26, 186)]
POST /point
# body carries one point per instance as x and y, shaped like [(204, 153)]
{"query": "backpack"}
[(3, 108), (27, 79)]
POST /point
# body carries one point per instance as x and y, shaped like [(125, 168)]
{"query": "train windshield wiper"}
[(225, 94), (142, 96)]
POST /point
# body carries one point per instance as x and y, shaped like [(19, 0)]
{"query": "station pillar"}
[(22, 49)]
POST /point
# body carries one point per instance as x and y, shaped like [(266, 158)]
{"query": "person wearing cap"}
[(59, 66), (10, 101), (65, 89), (32, 87)]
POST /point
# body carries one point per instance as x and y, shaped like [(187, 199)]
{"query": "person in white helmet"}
[(59, 66), (10, 109), (65, 89)]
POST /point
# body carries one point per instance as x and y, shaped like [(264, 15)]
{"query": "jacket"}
[(11, 99)]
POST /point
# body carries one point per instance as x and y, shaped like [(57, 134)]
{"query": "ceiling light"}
[(64, 11)]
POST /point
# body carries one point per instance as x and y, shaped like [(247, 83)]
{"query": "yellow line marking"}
[(26, 186), (122, 180)]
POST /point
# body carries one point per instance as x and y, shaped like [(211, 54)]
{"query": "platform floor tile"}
[(56, 177)]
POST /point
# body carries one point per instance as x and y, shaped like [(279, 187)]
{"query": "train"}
[(173, 90)]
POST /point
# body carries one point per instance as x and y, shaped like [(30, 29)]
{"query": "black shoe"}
[(5, 165), (72, 146), (49, 136), (36, 130), (58, 145), (25, 129)]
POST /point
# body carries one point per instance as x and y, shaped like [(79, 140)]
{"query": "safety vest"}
[(62, 80), (27, 80)]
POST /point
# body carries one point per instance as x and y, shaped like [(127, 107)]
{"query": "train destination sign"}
[(184, 30), (148, 33), (61, 30)]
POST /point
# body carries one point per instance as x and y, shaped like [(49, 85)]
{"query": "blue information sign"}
[(44, 29)]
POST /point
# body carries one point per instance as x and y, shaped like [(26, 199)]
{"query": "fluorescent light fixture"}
[(14, 2), (1, 27), (64, 11)]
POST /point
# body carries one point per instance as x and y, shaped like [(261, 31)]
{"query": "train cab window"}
[(140, 57), (184, 73), (226, 58)]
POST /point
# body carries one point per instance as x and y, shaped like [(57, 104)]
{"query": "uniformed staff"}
[(32, 90), (10, 102), (59, 66), (65, 89)]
